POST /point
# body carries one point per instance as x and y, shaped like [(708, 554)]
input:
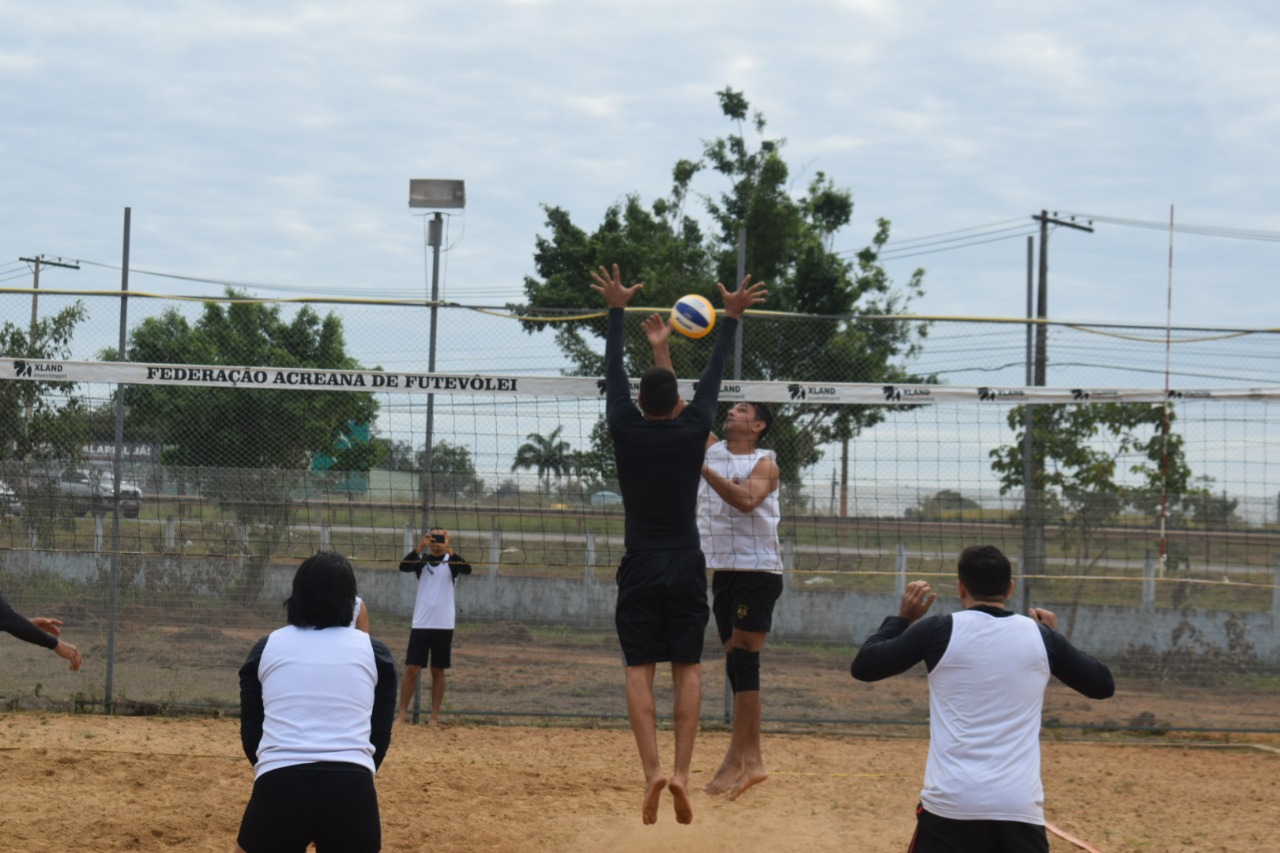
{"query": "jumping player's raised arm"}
[(616, 296), (736, 303)]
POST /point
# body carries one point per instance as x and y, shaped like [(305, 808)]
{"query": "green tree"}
[(397, 455), (598, 464), (43, 424), (944, 503), (548, 455), (790, 245), (453, 473), (1217, 512), (1094, 462), (248, 448)]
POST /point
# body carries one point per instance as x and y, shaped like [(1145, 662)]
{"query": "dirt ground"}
[(153, 783)]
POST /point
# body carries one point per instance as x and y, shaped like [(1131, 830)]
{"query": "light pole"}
[(437, 195), (1033, 512), (432, 195)]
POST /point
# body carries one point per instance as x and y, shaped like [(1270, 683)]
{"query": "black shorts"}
[(662, 608), (430, 644), (936, 834), (744, 600), (331, 803)]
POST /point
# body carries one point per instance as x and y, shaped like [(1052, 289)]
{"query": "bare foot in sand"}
[(749, 777), (652, 793), (724, 778), (684, 806)]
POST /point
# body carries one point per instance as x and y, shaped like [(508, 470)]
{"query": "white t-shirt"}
[(434, 607), (317, 694), (985, 698), (732, 539)]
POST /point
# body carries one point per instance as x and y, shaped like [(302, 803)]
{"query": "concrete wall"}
[(801, 614)]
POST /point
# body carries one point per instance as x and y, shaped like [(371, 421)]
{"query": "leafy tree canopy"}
[(236, 428), (41, 420), (790, 245)]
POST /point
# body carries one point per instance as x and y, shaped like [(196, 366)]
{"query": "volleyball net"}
[(1173, 578), (164, 507)]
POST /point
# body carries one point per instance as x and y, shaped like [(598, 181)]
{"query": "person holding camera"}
[(437, 567)]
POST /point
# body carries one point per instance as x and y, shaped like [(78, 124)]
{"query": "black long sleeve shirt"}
[(660, 461), (13, 622), (899, 645)]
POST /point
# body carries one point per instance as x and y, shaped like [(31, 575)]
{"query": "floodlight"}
[(437, 194)]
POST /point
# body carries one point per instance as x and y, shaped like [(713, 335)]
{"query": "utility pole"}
[(1042, 302), (36, 263), (1033, 516)]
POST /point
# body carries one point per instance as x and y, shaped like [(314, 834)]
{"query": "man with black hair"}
[(316, 701), (437, 567), (988, 668), (662, 612), (738, 515)]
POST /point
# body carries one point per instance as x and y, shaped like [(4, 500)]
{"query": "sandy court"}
[(134, 783)]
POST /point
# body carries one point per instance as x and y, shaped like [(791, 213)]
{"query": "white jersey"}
[(317, 691), (985, 698), (434, 606), (732, 539)]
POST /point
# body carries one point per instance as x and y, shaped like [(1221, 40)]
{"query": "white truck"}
[(90, 490)]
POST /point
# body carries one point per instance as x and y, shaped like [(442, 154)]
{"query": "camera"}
[(437, 537)]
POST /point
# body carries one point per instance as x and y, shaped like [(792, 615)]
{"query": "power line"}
[(972, 228), (890, 256), (1202, 230), (968, 236)]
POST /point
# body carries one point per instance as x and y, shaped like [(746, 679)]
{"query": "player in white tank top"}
[(738, 514)]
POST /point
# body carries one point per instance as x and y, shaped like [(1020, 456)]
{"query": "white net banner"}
[(847, 393)]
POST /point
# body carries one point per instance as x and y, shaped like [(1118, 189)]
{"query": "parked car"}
[(606, 498), (9, 502), (92, 490)]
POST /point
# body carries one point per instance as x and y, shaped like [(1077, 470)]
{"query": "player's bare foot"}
[(680, 797), (750, 776), (724, 779), (652, 793)]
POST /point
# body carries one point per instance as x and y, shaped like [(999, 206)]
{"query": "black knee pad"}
[(729, 674), (744, 670)]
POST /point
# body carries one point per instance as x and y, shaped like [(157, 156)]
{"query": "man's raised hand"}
[(611, 288), (738, 301)]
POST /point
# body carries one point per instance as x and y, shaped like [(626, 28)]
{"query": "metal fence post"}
[(900, 570)]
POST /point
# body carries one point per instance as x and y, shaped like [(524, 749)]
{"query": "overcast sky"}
[(273, 143)]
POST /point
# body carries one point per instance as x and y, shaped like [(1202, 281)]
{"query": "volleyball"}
[(693, 316)]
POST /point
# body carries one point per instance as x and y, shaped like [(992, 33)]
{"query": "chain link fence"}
[(162, 517)]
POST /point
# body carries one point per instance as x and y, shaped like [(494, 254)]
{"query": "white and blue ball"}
[(693, 316)]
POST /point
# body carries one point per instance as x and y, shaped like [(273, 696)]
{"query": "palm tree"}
[(548, 454)]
